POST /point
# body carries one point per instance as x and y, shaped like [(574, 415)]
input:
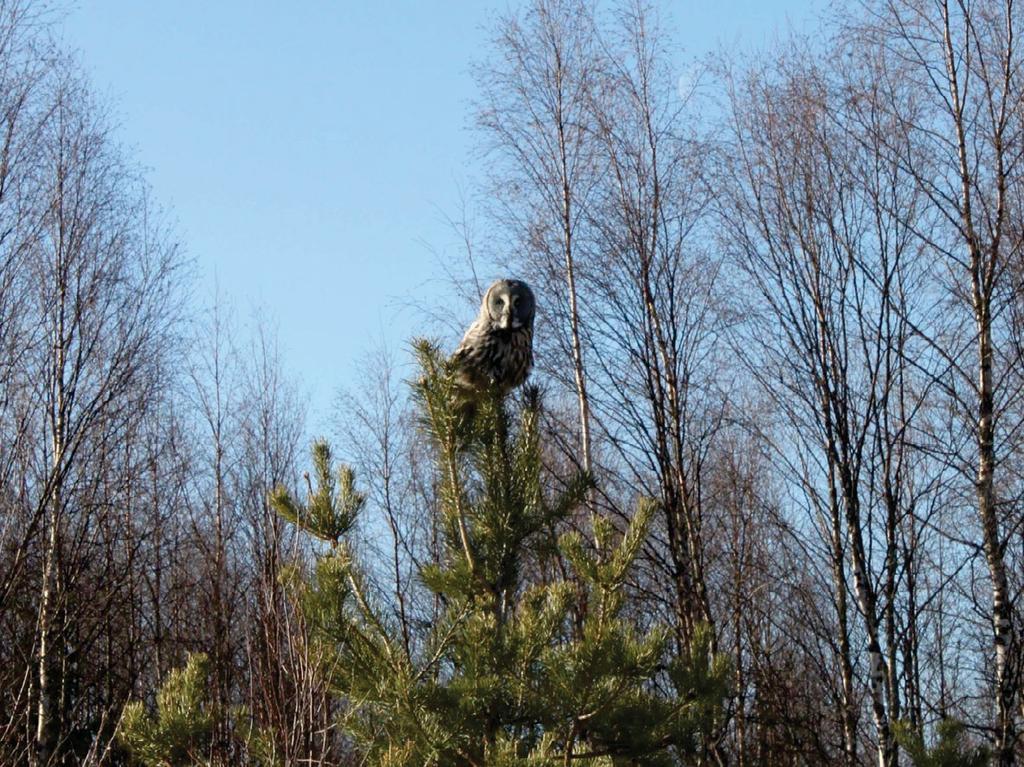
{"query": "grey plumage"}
[(497, 349)]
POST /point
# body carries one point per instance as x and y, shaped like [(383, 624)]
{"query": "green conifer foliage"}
[(506, 676), (949, 749), (177, 735)]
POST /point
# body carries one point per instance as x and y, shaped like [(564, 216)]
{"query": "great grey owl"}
[(497, 349)]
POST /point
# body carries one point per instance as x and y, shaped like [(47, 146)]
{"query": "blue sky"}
[(307, 150)]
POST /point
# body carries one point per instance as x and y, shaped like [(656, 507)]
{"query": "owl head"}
[(508, 305)]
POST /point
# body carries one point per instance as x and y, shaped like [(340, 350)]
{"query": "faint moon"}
[(685, 85)]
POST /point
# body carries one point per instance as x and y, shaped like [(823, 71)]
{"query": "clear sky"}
[(306, 149)]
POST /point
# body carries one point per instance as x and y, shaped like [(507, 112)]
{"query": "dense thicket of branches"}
[(781, 296), (134, 524)]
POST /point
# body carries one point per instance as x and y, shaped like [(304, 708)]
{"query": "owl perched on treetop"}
[(498, 347)]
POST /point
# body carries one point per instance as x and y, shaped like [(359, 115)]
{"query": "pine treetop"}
[(517, 669)]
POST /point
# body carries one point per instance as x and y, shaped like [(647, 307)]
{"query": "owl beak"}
[(505, 320)]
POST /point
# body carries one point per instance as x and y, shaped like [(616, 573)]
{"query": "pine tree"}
[(949, 750), (507, 676), (179, 732)]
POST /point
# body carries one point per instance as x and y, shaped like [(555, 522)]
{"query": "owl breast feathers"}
[(497, 349)]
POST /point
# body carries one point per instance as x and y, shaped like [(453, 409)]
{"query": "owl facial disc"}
[(509, 303)]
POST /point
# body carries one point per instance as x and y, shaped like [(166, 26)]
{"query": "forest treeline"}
[(780, 333)]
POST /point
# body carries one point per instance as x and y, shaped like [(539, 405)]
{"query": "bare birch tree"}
[(535, 114), (963, 152), (823, 230), (104, 291)]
